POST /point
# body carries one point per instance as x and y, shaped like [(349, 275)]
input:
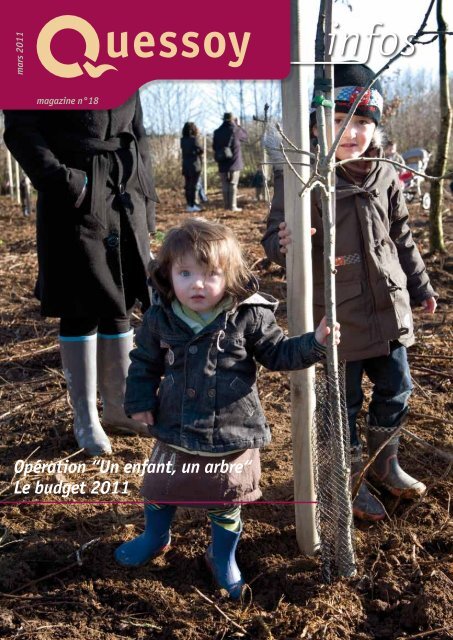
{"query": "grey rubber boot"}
[(365, 505), (79, 367), (113, 365), (386, 470), (234, 198)]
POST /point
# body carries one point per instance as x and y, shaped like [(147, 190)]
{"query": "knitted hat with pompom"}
[(349, 80)]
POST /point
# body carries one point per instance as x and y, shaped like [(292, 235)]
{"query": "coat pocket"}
[(77, 181), (348, 291), (345, 291), (397, 277), (165, 396), (166, 384), (244, 396), (400, 300)]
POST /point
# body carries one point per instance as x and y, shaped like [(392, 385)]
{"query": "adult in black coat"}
[(95, 209), (228, 155), (192, 152)]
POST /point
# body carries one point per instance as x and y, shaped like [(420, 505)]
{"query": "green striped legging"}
[(228, 518)]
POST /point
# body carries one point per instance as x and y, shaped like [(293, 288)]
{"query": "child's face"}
[(195, 286), (357, 137)]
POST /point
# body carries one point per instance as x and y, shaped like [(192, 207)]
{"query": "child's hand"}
[(144, 416), (284, 236), (429, 304), (323, 331)]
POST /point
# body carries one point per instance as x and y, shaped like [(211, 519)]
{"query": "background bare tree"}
[(436, 236), (245, 98), (167, 105), (414, 119)]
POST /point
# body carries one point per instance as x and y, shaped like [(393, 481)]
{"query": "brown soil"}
[(405, 573)]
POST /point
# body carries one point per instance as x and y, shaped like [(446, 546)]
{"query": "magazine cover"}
[(225, 269)]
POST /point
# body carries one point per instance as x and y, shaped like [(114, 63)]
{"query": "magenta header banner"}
[(95, 54)]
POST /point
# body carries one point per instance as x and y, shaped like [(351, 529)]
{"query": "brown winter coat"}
[(379, 269)]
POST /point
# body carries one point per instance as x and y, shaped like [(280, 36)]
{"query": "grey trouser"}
[(230, 180)]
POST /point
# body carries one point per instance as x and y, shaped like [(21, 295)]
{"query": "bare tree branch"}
[(292, 145), (446, 176)]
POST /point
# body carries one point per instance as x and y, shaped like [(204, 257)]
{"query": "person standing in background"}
[(227, 153), (391, 153), (258, 181), (192, 152), (24, 189)]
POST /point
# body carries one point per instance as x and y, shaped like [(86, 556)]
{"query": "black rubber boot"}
[(365, 505)]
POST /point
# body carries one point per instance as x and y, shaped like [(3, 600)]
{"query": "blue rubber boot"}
[(221, 560), (154, 541)]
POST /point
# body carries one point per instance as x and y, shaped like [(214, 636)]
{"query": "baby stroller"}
[(416, 159)]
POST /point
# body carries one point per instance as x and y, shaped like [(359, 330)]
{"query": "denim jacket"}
[(201, 388)]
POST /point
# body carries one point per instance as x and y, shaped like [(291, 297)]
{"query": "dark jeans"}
[(191, 188), (392, 388)]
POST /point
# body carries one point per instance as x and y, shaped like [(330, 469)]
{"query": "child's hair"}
[(212, 244)]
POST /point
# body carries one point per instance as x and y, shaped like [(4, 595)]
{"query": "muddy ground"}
[(52, 587)]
